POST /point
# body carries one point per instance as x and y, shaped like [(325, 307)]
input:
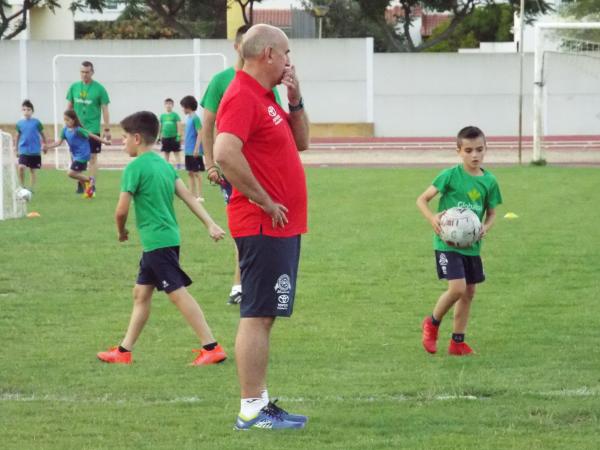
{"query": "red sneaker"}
[(113, 355), (459, 349), (206, 357), (430, 335)]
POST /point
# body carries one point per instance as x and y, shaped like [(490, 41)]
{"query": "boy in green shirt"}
[(466, 185), (171, 129), (152, 183)]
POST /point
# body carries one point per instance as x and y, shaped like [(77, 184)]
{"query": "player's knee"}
[(139, 295)]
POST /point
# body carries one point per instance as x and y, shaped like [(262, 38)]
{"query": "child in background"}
[(170, 133), (79, 146), (30, 143), (194, 161)]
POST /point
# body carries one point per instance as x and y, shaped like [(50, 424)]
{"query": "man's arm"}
[(121, 214), (300, 129), (228, 154), (208, 140), (106, 116), (182, 192)]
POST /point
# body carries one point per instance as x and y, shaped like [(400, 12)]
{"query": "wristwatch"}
[(298, 107)]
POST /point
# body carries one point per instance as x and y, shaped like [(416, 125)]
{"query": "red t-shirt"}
[(251, 113)]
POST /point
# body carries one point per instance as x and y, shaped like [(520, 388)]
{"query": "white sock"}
[(235, 289), (250, 407), (264, 394)]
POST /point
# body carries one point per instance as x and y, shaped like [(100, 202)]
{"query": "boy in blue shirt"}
[(194, 162), (30, 143)]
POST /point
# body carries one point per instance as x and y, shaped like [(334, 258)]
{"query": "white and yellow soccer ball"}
[(460, 227), (24, 194)]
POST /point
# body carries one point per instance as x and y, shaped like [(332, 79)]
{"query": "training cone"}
[(510, 215), (33, 214)]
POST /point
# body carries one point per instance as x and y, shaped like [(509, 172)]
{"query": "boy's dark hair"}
[(469, 132), (71, 114), (189, 102), (144, 123), (169, 100), (28, 104), (241, 31), (88, 64)]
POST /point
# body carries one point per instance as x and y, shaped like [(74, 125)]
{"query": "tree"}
[(247, 9), (582, 11), (492, 23), (185, 18), (397, 38)]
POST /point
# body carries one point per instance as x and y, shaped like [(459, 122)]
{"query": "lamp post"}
[(320, 11)]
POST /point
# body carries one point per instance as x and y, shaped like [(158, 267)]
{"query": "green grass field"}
[(350, 357)]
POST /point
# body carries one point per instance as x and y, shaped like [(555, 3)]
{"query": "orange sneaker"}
[(459, 349), (430, 335), (206, 357), (87, 190), (113, 355)]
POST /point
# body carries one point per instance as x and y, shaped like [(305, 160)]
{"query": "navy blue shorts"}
[(170, 144), (95, 146), (79, 166), (269, 268), (194, 163), (161, 268), (31, 161), (454, 266)]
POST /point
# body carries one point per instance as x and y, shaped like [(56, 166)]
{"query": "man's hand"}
[(290, 81), (214, 175), (123, 235), (277, 212), (216, 232)]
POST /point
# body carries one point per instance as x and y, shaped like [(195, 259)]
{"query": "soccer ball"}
[(24, 194), (460, 227)]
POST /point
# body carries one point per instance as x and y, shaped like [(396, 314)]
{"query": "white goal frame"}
[(539, 85), (55, 79), (18, 210)]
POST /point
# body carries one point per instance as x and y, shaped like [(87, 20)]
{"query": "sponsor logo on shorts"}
[(284, 284), (283, 302), (165, 284), (443, 262)]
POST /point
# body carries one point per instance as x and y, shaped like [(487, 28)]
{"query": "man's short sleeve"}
[(212, 97), (130, 180), (441, 181), (177, 117), (495, 197), (236, 117), (70, 95), (104, 100)]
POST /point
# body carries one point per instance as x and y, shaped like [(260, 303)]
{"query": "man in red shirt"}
[(257, 148)]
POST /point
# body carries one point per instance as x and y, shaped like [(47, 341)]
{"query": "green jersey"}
[(459, 188), (151, 182), (168, 124), (87, 100), (217, 87)]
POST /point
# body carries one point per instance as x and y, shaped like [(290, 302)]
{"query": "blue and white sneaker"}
[(267, 419), (284, 414)]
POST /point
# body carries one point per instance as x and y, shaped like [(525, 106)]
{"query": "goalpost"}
[(155, 62), (10, 207), (560, 39)]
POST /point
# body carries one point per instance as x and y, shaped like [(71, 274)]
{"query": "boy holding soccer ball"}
[(465, 185), (152, 183)]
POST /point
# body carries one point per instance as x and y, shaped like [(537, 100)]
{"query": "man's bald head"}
[(260, 37)]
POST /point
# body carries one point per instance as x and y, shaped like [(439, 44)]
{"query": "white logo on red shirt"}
[(273, 113)]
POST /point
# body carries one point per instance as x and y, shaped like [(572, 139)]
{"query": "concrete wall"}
[(342, 82), (47, 24)]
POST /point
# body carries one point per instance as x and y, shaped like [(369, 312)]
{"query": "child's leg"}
[(78, 175), (167, 156), (21, 173), (456, 289), (178, 159), (33, 177), (462, 308), (199, 183), (192, 176), (193, 314), (142, 301)]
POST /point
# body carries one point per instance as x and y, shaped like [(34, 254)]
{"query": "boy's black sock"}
[(123, 350), (210, 346), (458, 337), (435, 322)]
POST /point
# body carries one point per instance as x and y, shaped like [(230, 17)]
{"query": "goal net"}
[(134, 82), (566, 83), (10, 207)]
